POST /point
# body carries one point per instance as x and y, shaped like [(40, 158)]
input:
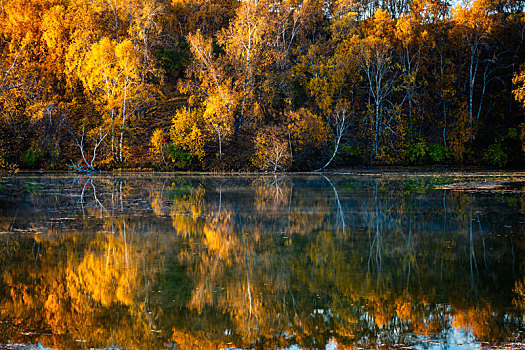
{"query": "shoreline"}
[(378, 171)]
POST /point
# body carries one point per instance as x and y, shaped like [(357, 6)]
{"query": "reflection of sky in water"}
[(38, 346), (453, 339)]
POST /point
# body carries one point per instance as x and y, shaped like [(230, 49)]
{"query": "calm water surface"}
[(281, 262)]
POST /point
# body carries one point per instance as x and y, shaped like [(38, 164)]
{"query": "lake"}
[(315, 261)]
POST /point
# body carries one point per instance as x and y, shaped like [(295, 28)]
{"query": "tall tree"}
[(111, 73), (473, 26)]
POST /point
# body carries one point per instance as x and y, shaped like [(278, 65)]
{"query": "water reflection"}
[(260, 262)]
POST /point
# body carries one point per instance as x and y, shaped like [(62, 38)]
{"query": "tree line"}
[(260, 84)]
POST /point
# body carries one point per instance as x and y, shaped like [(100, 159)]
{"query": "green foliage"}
[(522, 136), (34, 156), (179, 155), (217, 48), (496, 155), (350, 155), (513, 147), (417, 153), (419, 185), (421, 153), (437, 153), (174, 60), (504, 150), (178, 189)]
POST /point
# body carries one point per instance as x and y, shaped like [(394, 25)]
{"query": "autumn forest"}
[(260, 84)]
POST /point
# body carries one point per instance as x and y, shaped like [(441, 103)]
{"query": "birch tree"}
[(473, 26), (246, 47), (373, 53), (112, 75), (339, 123)]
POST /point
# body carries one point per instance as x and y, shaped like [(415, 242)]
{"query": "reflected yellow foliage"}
[(75, 293), (186, 210), (218, 238), (200, 340), (404, 309), (108, 272), (482, 321), (272, 193)]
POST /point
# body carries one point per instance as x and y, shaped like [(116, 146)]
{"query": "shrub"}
[(179, 155), (272, 151), (512, 146), (34, 156), (187, 132), (522, 136), (505, 150), (417, 153), (350, 155), (496, 155), (437, 153)]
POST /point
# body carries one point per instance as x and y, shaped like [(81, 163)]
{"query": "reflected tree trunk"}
[(340, 213), (472, 256)]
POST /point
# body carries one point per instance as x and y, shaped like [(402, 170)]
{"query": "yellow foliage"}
[(218, 239), (157, 141), (272, 150), (5, 166), (519, 83), (272, 194), (158, 206), (109, 70), (307, 129), (480, 319), (473, 23), (216, 114), (403, 309), (55, 35), (325, 77), (381, 318), (128, 59), (99, 65), (108, 277), (189, 341), (430, 10), (404, 30), (519, 289), (187, 131), (381, 25), (186, 211)]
